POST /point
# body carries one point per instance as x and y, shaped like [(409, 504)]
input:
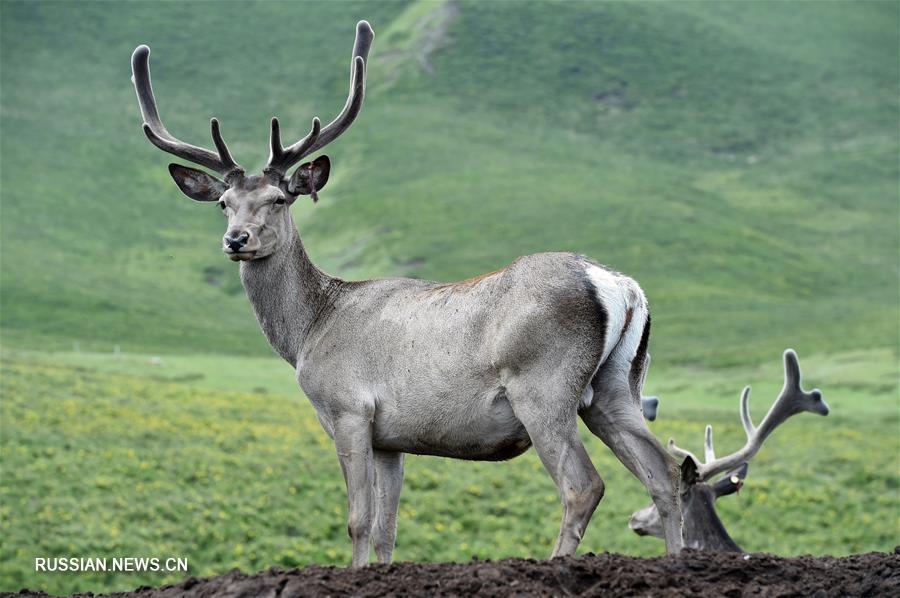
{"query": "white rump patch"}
[(617, 294)]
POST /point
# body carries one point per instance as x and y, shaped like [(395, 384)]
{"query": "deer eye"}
[(279, 201), (222, 204)]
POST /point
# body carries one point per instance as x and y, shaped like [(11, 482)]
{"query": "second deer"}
[(702, 527)]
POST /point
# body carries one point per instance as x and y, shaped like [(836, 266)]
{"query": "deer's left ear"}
[(310, 177), (689, 475)]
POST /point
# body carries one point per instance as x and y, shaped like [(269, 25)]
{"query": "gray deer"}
[(702, 527), (480, 369)]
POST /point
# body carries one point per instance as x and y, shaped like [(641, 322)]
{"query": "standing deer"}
[(702, 527), (480, 369)]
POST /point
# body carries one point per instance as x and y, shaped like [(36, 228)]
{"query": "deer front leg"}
[(388, 483), (353, 439)]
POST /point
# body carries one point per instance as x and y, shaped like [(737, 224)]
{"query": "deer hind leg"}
[(580, 486), (555, 439), (615, 417), (353, 440), (388, 482)]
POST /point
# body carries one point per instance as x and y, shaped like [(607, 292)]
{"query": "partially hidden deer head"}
[(256, 206), (702, 527)]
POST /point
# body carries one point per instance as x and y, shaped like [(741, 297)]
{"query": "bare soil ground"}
[(694, 573)]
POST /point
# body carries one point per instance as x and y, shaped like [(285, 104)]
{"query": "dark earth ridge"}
[(694, 573)]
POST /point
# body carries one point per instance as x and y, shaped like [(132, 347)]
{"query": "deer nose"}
[(235, 240)]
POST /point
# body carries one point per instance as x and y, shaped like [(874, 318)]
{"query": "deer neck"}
[(289, 295)]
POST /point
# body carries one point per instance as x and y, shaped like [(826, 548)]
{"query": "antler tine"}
[(280, 159), (708, 453), (221, 146), (275, 148), (749, 428), (363, 42), (156, 132), (791, 371), (791, 401), (680, 452)]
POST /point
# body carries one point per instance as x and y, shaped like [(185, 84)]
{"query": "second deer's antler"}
[(792, 400)]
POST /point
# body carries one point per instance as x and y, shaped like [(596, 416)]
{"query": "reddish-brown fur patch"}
[(464, 284), (475, 280)]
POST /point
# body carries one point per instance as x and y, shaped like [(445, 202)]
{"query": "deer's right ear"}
[(732, 482), (689, 475), (197, 184)]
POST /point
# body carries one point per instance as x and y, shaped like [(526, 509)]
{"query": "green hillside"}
[(739, 160)]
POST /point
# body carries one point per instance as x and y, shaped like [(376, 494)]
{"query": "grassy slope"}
[(109, 455), (740, 161)]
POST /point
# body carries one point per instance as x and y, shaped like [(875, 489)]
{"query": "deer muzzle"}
[(236, 241)]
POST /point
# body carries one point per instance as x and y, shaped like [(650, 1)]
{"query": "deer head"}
[(256, 206), (702, 527)]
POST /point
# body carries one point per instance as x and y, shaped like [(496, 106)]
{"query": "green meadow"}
[(739, 159), (218, 459)]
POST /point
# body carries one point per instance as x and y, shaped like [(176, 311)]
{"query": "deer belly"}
[(482, 429)]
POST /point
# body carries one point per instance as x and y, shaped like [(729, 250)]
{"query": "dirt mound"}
[(692, 574)]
